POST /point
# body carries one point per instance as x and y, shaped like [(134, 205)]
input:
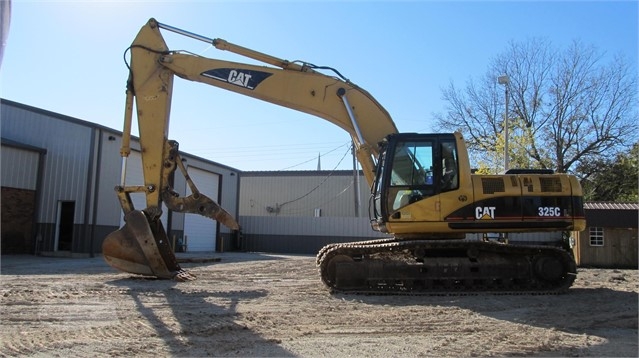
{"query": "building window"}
[(596, 236)]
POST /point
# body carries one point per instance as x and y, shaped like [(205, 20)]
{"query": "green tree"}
[(566, 108), (612, 180)]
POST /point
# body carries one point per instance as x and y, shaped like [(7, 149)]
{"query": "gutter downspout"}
[(88, 228)]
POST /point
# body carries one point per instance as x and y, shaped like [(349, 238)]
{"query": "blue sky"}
[(67, 57)]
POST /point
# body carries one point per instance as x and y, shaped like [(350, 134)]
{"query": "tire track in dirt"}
[(82, 316)]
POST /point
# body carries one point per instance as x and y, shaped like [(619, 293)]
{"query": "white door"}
[(134, 176), (199, 230)]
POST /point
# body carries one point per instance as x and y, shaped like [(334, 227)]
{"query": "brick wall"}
[(18, 206)]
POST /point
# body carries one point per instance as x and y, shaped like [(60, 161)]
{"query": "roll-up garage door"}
[(199, 230), (134, 176)]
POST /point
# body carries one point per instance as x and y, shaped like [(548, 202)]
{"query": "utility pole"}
[(505, 80)]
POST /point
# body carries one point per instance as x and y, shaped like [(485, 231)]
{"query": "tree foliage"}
[(613, 180), (567, 107)]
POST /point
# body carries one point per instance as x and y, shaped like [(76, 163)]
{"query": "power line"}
[(286, 148), (322, 155), (321, 183)]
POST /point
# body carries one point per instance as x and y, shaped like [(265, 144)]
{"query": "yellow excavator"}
[(422, 189)]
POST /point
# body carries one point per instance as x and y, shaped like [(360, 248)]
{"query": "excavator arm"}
[(141, 245), (289, 84)]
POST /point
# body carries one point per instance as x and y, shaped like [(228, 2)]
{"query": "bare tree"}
[(566, 107)]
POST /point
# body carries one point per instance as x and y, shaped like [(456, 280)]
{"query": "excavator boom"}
[(291, 85)]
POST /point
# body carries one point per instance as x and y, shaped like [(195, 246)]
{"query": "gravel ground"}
[(249, 304)]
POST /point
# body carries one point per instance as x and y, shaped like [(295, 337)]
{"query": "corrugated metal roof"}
[(611, 206)]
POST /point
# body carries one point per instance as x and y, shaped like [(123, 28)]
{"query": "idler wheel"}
[(331, 267), (549, 268)]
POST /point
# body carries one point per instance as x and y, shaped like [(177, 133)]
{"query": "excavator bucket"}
[(142, 247)]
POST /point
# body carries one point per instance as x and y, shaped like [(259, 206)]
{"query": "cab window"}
[(412, 176)]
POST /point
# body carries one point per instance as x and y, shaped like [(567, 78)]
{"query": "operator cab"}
[(412, 167)]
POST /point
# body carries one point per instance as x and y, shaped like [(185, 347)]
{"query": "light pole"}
[(505, 80)]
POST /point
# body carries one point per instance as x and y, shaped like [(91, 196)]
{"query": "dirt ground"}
[(269, 305)]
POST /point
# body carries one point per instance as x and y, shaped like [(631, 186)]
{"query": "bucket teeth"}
[(184, 275)]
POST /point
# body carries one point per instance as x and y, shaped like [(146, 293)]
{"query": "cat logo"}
[(485, 212), (248, 79), (239, 78)]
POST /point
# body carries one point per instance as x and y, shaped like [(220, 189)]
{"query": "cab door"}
[(449, 182), (408, 179)]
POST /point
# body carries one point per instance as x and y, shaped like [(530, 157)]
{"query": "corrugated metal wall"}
[(300, 193), (279, 210), (66, 164), (308, 226), (109, 162), (301, 235)]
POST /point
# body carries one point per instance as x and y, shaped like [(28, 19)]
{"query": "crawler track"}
[(391, 266)]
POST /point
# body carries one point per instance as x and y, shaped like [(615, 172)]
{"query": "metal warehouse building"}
[(58, 176)]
